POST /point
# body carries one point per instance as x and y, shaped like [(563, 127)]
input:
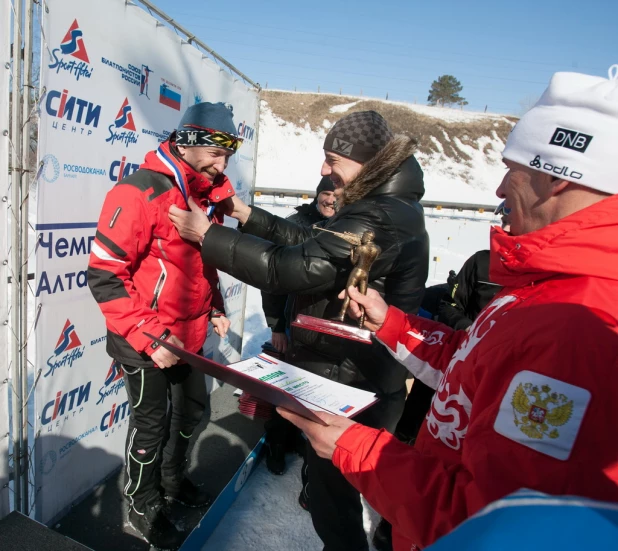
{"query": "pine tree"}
[(445, 91)]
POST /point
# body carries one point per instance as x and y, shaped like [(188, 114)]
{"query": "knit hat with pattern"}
[(358, 136)]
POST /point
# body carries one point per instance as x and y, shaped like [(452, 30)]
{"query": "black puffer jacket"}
[(307, 214), (276, 255), (274, 306)]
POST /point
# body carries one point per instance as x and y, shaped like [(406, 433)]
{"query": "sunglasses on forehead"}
[(218, 137), (225, 140)]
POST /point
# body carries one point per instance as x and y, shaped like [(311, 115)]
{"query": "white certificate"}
[(313, 391)]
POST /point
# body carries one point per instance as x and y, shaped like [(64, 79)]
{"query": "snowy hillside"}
[(460, 151)]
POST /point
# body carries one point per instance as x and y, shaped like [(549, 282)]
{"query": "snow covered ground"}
[(266, 515), (290, 157)]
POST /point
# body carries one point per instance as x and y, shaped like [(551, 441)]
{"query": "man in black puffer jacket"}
[(318, 211), (382, 185), (281, 435)]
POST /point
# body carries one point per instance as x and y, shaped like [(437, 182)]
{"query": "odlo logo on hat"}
[(571, 139)]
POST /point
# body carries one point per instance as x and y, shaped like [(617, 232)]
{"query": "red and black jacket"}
[(143, 275)]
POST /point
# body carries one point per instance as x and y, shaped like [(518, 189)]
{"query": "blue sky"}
[(502, 52)]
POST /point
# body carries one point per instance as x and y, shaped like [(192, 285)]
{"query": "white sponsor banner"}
[(5, 57), (117, 83)]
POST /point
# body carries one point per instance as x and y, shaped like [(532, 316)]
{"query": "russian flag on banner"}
[(267, 360), (169, 97), (346, 409)]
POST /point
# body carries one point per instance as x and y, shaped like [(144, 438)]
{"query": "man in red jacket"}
[(146, 279), (525, 397)]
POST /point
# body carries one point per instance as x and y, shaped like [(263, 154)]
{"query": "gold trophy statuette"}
[(363, 254)]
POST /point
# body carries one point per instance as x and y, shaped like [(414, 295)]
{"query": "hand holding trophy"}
[(363, 254)]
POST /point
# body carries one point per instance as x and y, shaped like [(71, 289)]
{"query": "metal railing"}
[(439, 205)]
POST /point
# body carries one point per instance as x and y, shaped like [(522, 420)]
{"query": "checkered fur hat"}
[(358, 136)]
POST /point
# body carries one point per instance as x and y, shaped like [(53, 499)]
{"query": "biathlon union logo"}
[(139, 75), (72, 46), (120, 169), (123, 128), (113, 382), (68, 350)]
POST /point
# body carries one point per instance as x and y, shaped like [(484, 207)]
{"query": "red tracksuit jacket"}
[(526, 397), (143, 275)]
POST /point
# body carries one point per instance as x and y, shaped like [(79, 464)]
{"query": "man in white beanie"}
[(525, 397)]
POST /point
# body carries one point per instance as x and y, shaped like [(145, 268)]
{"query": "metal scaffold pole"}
[(25, 192), (16, 173)]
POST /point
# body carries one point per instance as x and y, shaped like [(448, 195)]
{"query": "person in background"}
[(281, 435), (143, 276), (472, 288), (319, 210), (525, 397)]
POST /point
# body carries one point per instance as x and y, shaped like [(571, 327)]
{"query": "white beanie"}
[(572, 132)]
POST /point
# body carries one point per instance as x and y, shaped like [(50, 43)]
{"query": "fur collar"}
[(379, 169)]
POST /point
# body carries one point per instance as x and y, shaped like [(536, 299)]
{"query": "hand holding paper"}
[(282, 384), (323, 438)]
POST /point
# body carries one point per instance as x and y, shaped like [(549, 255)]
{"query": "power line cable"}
[(365, 41)]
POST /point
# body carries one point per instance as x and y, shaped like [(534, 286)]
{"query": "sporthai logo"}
[(114, 418), (72, 45), (123, 128), (82, 113), (120, 169), (65, 403), (68, 349), (113, 383)]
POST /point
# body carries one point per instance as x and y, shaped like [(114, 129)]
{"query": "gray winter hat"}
[(358, 136)]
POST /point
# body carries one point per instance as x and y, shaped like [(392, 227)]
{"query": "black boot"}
[(182, 490), (275, 458), (156, 528), (382, 537), (303, 498)]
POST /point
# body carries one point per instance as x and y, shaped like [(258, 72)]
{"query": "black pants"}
[(414, 413), (280, 432), (159, 436), (336, 508)]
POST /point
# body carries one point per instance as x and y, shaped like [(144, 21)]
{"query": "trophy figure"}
[(363, 254)]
